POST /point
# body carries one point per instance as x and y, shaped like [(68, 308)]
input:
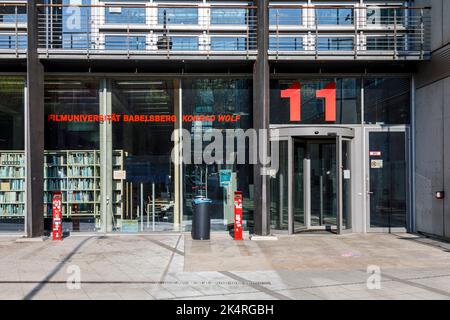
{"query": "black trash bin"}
[(201, 220)]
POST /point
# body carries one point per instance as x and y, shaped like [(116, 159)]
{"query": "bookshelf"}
[(76, 173), (12, 184)]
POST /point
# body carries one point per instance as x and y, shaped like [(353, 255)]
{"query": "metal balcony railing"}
[(13, 29), (342, 32), (146, 31), (209, 31)]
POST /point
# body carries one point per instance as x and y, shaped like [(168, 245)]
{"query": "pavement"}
[(172, 266)]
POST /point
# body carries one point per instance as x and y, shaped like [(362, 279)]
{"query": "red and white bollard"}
[(57, 216), (238, 216)]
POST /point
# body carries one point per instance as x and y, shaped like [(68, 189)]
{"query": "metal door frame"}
[(291, 133), (408, 188)]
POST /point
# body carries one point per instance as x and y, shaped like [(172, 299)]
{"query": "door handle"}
[(369, 192)]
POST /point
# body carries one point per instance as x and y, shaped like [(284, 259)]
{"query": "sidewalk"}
[(322, 266)]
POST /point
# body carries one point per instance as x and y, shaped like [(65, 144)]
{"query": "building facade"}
[(100, 97)]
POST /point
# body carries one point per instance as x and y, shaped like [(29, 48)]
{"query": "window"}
[(375, 43), (13, 41), (144, 151), (334, 16), (228, 43), (125, 42), (177, 15), (72, 163), (285, 16), (385, 16), (75, 41), (334, 44), (13, 14), (119, 15), (286, 43), (229, 97), (228, 16), (347, 98), (12, 159), (184, 43), (387, 101)]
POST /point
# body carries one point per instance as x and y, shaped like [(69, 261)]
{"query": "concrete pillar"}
[(34, 129), (261, 117), (106, 159)]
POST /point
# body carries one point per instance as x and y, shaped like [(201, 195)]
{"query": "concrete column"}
[(261, 117), (106, 165), (34, 130)]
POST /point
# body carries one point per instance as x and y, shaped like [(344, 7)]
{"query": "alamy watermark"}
[(228, 147)]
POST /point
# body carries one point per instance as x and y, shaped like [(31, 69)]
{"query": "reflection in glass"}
[(334, 16), (72, 164), (335, 44), (388, 180), (228, 43), (217, 97), (143, 151), (346, 185), (285, 16), (12, 159), (124, 15), (228, 16), (125, 42), (348, 104), (387, 101), (279, 191), (286, 43), (177, 15), (323, 184), (300, 152)]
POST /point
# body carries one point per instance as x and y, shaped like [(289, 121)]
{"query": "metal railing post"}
[(278, 34), (395, 34), (88, 35), (355, 22), (422, 33), (316, 41), (16, 31), (247, 44)]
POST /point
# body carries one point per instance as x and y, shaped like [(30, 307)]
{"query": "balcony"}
[(208, 31), (146, 31), (13, 30), (349, 32)]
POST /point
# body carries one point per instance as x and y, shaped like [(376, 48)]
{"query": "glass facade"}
[(229, 99), (335, 44), (334, 16), (228, 16), (125, 42), (286, 16), (12, 161), (347, 93), (286, 43), (388, 180), (141, 149), (125, 15), (13, 14), (387, 101), (71, 159), (177, 16), (228, 43), (142, 186)]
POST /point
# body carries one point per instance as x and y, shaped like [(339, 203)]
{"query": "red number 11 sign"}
[(294, 93)]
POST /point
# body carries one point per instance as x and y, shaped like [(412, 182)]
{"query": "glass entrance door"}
[(323, 183), (387, 180), (320, 187)]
